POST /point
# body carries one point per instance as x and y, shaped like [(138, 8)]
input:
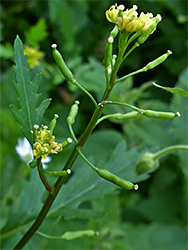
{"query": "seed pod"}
[(73, 113), (58, 173), (149, 31), (146, 163), (114, 32), (158, 61), (107, 55), (61, 64), (78, 234), (159, 115), (129, 115), (53, 124), (65, 143), (115, 179)]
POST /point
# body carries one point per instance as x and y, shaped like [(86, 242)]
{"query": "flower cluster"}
[(33, 56), (129, 19), (44, 142)]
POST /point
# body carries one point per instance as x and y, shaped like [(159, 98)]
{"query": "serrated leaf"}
[(27, 112), (173, 90)]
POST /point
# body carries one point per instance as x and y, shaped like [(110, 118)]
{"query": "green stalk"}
[(44, 181), (51, 197), (169, 149), (97, 113), (85, 91)]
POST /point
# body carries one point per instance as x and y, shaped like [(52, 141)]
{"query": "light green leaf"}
[(173, 90), (36, 33), (27, 113)]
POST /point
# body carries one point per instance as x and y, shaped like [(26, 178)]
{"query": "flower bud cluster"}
[(128, 19), (45, 144)]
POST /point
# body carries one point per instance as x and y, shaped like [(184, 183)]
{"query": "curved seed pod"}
[(73, 113), (107, 55), (58, 173), (160, 115), (158, 61), (78, 234), (61, 64), (129, 115), (149, 31), (53, 124), (104, 173)]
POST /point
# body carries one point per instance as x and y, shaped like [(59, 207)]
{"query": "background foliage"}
[(156, 214)]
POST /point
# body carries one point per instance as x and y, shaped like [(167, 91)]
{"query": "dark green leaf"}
[(27, 113)]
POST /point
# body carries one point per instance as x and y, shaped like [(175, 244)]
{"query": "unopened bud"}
[(146, 163)]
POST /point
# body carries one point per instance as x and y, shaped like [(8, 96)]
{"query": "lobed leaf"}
[(173, 90), (27, 112)]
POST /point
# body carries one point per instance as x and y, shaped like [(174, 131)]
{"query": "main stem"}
[(51, 197)]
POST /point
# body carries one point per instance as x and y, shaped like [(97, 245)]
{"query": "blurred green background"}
[(155, 216)]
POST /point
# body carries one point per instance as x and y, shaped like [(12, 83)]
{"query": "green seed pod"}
[(65, 143), (61, 64), (58, 173), (129, 115), (158, 61), (159, 115), (149, 31), (115, 179), (73, 113), (107, 55), (78, 234), (53, 124), (114, 32), (146, 163)]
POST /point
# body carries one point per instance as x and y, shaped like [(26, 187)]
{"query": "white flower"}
[(24, 150)]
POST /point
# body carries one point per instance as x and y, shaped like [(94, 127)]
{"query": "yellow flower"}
[(45, 143), (33, 56), (112, 14), (128, 19)]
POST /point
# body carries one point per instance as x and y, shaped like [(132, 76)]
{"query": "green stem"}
[(97, 113), (49, 236), (44, 181), (131, 74), (86, 160), (51, 197), (72, 133), (122, 104), (169, 149), (85, 91), (105, 117), (133, 47)]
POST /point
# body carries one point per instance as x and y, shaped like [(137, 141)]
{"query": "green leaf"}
[(36, 33), (27, 112), (80, 188), (173, 90)]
